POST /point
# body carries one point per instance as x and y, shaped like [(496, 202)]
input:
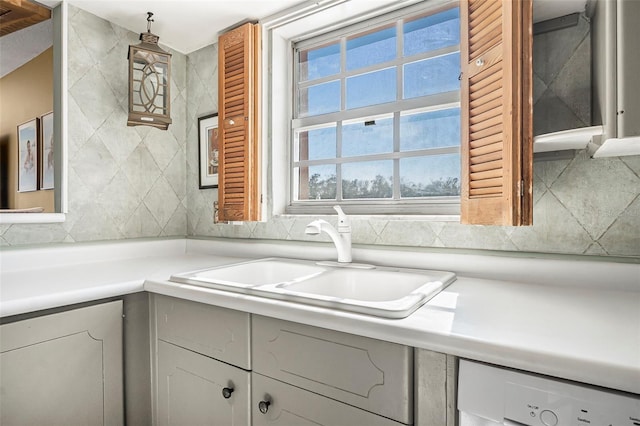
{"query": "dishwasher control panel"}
[(508, 397), (530, 405)]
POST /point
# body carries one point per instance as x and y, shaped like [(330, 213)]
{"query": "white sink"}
[(383, 292), (379, 291), (251, 274), (369, 285)]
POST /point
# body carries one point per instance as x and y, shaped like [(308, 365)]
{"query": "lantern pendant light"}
[(149, 82)]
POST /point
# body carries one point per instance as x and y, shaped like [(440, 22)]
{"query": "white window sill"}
[(387, 217), (10, 218)]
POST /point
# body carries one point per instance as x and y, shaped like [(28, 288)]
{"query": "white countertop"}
[(44, 278), (580, 329)]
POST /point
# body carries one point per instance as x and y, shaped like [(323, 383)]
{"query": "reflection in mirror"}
[(32, 114)]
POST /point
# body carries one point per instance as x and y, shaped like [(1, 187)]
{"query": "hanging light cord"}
[(149, 21)]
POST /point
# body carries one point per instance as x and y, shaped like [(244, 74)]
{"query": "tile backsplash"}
[(129, 182), (581, 206), (124, 182)]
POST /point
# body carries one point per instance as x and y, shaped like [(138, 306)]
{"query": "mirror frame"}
[(60, 94)]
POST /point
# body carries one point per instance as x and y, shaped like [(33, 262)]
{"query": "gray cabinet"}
[(199, 350), (219, 333), (370, 374), (279, 404), (63, 368), (286, 373), (197, 390)]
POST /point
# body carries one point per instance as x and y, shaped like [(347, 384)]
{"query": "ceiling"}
[(183, 25), (188, 25), (547, 9)]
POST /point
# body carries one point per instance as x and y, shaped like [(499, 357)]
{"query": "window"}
[(377, 116)]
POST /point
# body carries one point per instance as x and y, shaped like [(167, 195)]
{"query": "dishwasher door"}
[(489, 396)]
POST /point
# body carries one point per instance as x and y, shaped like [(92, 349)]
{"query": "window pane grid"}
[(311, 60), (397, 62), (343, 74), (381, 173), (376, 157), (437, 101), (339, 194), (396, 161), (400, 72), (371, 47)]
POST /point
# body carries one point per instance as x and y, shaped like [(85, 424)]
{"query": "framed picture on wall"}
[(28, 156), (46, 151), (208, 150)]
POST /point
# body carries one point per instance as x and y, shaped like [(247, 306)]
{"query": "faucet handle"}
[(344, 223)]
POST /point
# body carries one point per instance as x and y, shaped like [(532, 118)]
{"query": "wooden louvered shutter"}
[(238, 103), (497, 155)]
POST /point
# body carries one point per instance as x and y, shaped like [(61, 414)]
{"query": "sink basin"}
[(368, 285), (382, 292), (251, 274), (379, 291)]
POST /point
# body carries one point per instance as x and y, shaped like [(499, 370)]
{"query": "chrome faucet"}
[(341, 238)]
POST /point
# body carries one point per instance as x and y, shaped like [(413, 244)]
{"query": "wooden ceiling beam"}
[(19, 14)]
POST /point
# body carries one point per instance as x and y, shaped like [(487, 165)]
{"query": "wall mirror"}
[(33, 175)]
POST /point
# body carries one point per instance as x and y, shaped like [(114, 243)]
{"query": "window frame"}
[(439, 205)]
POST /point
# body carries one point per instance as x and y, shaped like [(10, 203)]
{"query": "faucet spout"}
[(341, 238), (314, 228)]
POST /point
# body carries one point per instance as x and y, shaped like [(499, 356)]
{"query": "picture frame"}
[(47, 161), (28, 142), (208, 150)]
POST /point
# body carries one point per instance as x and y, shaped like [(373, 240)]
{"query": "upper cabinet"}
[(496, 98), (616, 64), (613, 97), (238, 104)]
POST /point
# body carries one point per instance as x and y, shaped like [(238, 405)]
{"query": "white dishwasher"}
[(490, 395)]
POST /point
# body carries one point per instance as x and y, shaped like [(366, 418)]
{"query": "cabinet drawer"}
[(220, 333), (190, 389), (289, 405), (371, 374)]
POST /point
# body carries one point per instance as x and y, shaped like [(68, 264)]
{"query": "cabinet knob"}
[(263, 406), (479, 62), (226, 392), (231, 122)]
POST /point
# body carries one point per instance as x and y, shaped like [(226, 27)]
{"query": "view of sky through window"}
[(380, 68)]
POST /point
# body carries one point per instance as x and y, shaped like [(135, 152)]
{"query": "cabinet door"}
[(289, 405), (64, 368), (216, 332), (190, 390), (371, 374)]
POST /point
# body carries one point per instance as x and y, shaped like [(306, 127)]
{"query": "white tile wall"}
[(124, 182)]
